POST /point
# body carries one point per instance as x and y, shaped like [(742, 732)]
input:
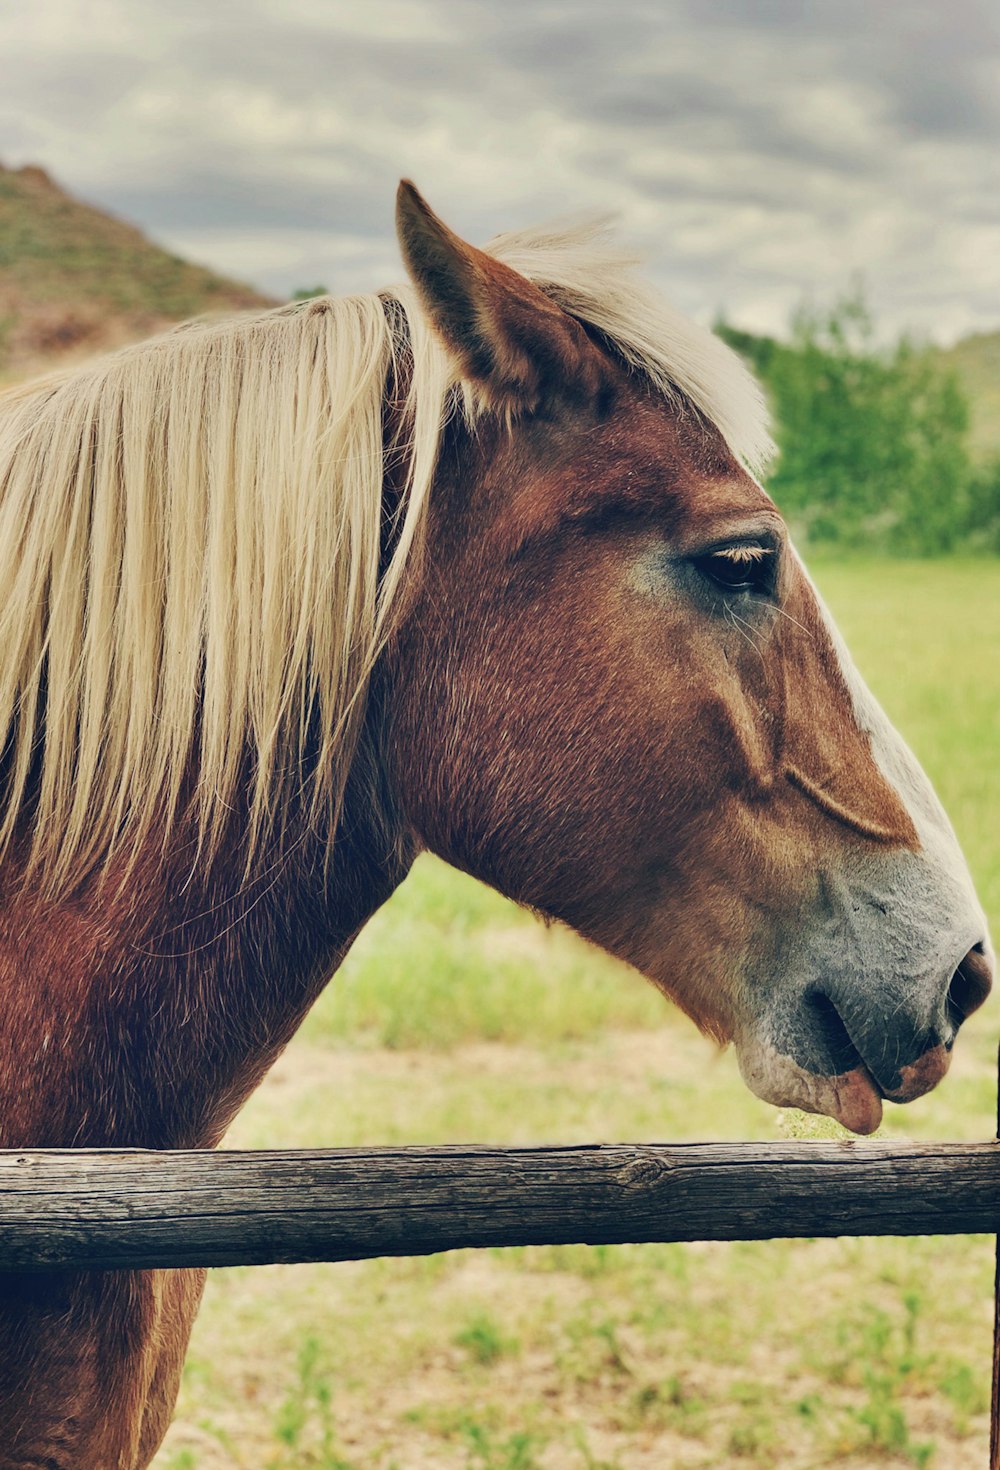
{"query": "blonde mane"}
[(190, 535)]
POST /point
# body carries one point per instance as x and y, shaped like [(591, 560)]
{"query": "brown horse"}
[(476, 566)]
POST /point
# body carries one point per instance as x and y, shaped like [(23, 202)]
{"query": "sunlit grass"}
[(469, 965), (926, 635)]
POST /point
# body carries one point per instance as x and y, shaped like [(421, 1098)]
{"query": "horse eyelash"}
[(744, 554)]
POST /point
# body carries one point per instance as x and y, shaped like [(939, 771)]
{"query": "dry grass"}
[(75, 280)]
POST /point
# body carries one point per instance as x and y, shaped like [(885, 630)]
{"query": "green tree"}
[(872, 440)]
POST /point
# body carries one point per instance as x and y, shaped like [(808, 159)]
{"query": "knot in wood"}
[(643, 1171)]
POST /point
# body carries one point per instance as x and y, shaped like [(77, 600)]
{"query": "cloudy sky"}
[(759, 153)]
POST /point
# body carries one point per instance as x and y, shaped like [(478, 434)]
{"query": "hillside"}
[(976, 360), (74, 280)]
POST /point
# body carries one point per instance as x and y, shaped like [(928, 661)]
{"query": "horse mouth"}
[(855, 1100), (849, 1095), (897, 1080), (850, 1092), (830, 1075)]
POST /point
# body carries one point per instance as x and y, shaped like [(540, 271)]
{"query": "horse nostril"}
[(970, 984)]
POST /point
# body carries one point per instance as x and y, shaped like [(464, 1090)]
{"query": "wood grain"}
[(105, 1208)]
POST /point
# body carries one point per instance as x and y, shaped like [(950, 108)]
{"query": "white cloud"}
[(760, 153)]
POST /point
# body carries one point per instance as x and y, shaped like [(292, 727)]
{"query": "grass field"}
[(458, 1018)]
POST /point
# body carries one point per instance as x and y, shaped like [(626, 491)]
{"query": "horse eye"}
[(739, 568)]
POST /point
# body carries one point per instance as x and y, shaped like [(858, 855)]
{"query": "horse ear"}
[(511, 340)]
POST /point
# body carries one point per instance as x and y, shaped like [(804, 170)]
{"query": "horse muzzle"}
[(840, 1048)]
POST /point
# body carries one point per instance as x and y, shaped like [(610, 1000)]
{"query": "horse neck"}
[(143, 1012)]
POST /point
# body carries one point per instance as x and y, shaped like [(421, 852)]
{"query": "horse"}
[(478, 565)]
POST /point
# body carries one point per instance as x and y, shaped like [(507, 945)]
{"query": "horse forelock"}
[(190, 549), (582, 267)]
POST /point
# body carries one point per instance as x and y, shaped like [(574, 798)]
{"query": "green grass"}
[(926, 638), (448, 961), (458, 1017)]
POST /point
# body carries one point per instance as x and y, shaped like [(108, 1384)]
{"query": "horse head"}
[(616, 696)]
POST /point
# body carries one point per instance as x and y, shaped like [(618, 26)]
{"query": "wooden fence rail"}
[(107, 1208), (104, 1208)]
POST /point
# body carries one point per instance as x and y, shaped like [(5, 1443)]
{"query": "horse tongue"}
[(855, 1101)]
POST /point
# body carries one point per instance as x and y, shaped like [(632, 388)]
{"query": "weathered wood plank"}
[(105, 1208)]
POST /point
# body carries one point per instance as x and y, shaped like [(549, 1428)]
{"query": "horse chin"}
[(852, 1098)]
